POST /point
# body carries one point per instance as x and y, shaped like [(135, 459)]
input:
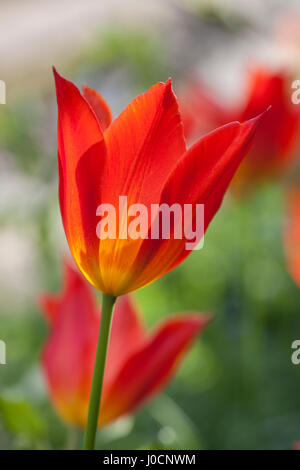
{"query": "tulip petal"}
[(143, 145), (148, 370), (99, 105), (68, 356), (201, 177), (49, 305), (80, 148)]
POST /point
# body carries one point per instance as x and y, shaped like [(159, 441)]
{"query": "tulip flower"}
[(277, 140), (291, 233), (200, 111), (140, 156), (139, 365)]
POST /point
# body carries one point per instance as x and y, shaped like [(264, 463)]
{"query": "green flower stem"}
[(95, 397)]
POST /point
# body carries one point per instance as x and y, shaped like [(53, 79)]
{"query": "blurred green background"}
[(237, 389)]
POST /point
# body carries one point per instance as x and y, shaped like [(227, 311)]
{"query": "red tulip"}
[(291, 233), (139, 364), (277, 140), (200, 110), (141, 155)]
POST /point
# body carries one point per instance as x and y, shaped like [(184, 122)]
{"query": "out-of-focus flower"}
[(200, 111), (139, 364), (291, 233), (141, 155), (276, 142), (296, 445)]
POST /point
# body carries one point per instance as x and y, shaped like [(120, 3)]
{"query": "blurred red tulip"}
[(200, 111), (291, 233), (296, 445), (276, 142), (141, 155), (139, 364)]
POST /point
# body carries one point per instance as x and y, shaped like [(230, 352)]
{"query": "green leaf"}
[(20, 417)]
